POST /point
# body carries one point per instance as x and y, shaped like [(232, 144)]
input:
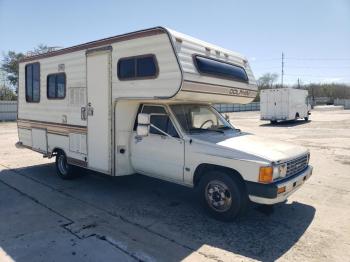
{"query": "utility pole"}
[(282, 75), (298, 83)]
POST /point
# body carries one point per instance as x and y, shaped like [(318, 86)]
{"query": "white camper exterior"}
[(284, 104), (122, 104)]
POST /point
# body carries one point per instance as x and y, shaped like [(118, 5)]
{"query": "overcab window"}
[(56, 86), (137, 67), (32, 82), (216, 68)]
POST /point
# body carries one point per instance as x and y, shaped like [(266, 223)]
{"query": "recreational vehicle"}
[(141, 103), (283, 104)]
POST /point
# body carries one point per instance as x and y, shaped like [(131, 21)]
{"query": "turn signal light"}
[(266, 174), (281, 190)]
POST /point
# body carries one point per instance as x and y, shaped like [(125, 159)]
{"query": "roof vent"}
[(179, 40)]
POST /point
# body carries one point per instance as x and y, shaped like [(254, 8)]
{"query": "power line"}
[(300, 59), (282, 69), (317, 59), (324, 76), (308, 67)]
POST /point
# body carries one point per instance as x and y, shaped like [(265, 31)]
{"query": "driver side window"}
[(160, 119)]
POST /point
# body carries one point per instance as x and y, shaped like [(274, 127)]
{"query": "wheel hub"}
[(218, 196)]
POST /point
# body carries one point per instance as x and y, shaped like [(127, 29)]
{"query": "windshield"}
[(199, 118)]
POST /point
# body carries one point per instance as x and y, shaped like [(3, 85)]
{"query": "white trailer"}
[(284, 104), (121, 104)]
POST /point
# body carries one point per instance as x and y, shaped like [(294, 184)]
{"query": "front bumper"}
[(268, 193)]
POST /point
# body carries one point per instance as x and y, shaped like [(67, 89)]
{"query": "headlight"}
[(282, 170), (266, 174)]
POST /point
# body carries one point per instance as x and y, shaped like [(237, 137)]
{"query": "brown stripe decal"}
[(55, 128), (206, 88)]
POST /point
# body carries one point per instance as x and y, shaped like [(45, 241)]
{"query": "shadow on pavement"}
[(289, 123), (172, 211)]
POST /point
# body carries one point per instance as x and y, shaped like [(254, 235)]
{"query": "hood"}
[(270, 149)]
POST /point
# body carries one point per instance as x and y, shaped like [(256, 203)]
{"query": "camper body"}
[(141, 103), (284, 104)]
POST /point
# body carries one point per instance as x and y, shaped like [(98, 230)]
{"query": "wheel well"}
[(57, 150), (204, 168)]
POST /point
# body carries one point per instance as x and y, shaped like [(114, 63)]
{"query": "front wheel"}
[(223, 195), (63, 169)]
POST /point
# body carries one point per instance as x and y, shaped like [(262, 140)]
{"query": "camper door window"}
[(32, 82)]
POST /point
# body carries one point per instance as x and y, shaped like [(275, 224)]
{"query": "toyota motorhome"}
[(121, 104)]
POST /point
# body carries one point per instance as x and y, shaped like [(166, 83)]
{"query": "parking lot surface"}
[(133, 218)]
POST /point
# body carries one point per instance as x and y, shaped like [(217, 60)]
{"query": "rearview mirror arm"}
[(164, 133)]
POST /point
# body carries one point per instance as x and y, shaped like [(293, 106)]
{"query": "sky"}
[(314, 35)]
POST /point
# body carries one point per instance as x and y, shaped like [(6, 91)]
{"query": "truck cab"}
[(195, 146)]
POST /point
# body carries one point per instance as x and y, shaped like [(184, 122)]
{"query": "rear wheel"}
[(296, 116), (223, 195), (63, 169), (306, 118)]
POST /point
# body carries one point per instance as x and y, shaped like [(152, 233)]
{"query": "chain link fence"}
[(225, 108), (342, 102), (8, 110)]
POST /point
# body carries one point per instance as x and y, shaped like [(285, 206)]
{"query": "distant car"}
[(281, 104)]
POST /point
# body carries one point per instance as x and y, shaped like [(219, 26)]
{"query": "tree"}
[(267, 80), (7, 94), (11, 59), (10, 66)]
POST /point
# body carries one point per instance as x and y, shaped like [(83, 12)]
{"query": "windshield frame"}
[(210, 108)]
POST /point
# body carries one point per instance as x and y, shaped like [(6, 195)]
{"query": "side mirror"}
[(227, 118), (143, 119), (142, 130), (143, 123)]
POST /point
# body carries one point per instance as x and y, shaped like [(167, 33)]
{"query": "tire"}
[(223, 196), (273, 122), (296, 116), (306, 118), (63, 169)]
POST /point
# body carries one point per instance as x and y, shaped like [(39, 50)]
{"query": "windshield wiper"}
[(227, 128), (206, 129)]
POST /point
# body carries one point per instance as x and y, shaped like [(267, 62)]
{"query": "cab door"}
[(158, 155)]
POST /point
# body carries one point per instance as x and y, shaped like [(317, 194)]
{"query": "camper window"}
[(56, 86), (137, 67), (32, 82), (212, 67)]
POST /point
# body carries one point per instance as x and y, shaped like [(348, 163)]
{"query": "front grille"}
[(297, 165)]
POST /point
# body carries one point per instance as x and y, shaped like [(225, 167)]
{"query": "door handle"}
[(83, 113), (90, 111)]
